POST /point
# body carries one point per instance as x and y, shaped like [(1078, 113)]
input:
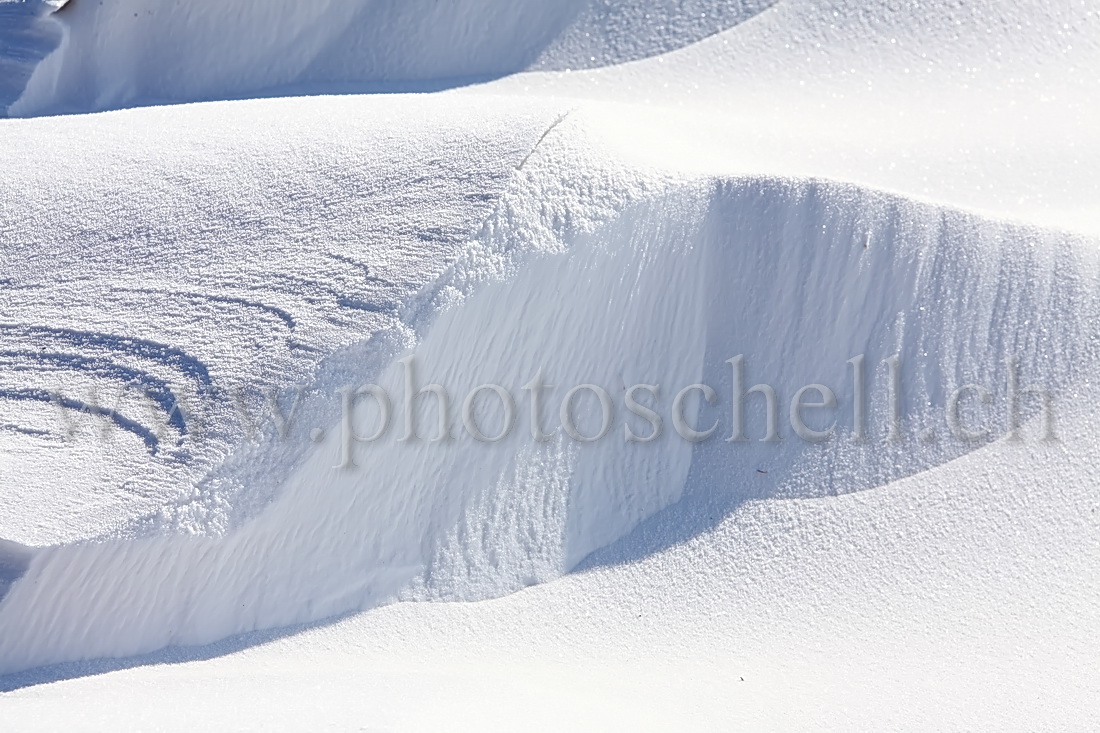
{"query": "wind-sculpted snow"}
[(165, 289), (118, 53), (662, 294), (27, 34), (880, 213)]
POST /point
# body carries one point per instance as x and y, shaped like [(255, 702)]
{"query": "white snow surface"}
[(661, 187), (119, 52)]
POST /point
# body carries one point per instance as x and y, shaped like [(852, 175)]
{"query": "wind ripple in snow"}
[(170, 275)]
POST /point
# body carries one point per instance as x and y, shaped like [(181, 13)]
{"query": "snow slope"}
[(677, 285), (785, 190), (120, 52), (28, 34), (101, 294), (938, 602)]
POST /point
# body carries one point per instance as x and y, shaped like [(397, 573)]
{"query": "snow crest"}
[(119, 53), (663, 293)]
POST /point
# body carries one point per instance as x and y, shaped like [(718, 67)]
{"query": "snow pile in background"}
[(120, 52), (27, 35), (828, 180)]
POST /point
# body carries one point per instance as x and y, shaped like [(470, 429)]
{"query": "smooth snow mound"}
[(117, 53)]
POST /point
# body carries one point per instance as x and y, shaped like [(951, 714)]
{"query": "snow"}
[(30, 33), (798, 183), (114, 53), (92, 271)]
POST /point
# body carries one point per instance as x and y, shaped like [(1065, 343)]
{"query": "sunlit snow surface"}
[(664, 187)]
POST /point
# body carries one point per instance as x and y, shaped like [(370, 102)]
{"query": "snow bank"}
[(322, 239), (663, 294), (199, 249), (118, 53), (27, 35)]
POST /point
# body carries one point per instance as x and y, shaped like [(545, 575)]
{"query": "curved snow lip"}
[(120, 53), (675, 285), (27, 35), (14, 561)]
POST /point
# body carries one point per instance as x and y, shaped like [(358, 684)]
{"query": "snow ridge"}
[(120, 53), (27, 35), (678, 283)]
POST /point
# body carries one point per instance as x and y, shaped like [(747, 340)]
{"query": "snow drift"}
[(661, 295), (825, 188), (27, 35), (124, 52)]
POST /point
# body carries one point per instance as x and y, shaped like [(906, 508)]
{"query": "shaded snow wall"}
[(797, 276)]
